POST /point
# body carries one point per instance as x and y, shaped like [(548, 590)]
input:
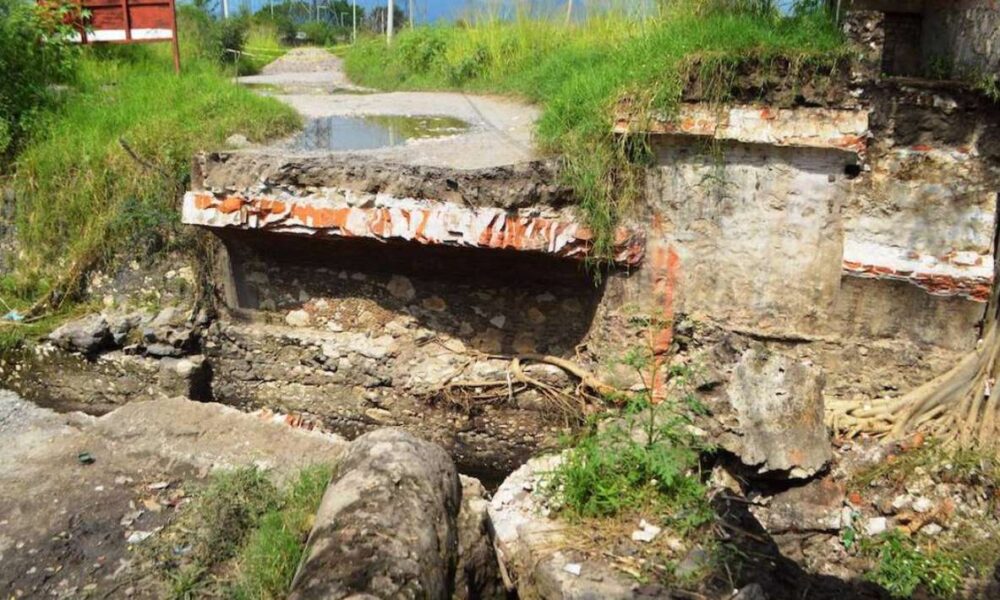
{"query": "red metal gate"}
[(129, 22)]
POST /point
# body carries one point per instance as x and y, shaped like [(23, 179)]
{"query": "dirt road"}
[(313, 82)]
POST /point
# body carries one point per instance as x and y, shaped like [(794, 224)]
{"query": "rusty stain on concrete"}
[(392, 219), (836, 129)]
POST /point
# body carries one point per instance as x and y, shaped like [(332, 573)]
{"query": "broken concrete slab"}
[(806, 127), (535, 555), (392, 219), (778, 408)]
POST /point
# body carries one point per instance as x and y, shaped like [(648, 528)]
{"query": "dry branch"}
[(588, 390)]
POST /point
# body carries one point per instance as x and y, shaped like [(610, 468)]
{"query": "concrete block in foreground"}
[(387, 525)]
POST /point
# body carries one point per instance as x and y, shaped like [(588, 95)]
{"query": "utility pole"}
[(389, 23), (410, 13), (225, 9), (569, 11), (354, 35)]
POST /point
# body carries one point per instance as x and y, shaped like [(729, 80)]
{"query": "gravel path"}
[(500, 133)]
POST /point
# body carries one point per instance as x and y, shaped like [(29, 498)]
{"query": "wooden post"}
[(175, 42)]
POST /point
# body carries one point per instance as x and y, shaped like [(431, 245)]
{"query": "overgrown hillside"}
[(102, 162), (578, 72)]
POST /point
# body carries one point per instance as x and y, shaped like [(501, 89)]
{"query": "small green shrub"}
[(320, 33), (608, 472), (902, 566), (645, 459), (33, 56)]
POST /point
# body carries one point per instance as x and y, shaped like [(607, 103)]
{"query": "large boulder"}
[(777, 420), (386, 527)]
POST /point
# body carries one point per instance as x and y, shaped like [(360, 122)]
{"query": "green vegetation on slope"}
[(245, 536), (29, 66), (101, 171), (579, 72)]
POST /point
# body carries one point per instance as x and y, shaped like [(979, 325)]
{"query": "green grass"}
[(82, 199), (644, 461), (262, 46), (243, 537), (902, 566), (579, 72), (267, 564)]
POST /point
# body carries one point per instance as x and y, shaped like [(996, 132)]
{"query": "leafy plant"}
[(646, 459), (903, 566), (34, 54)]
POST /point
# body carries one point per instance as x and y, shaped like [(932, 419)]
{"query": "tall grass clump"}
[(579, 71), (102, 172)]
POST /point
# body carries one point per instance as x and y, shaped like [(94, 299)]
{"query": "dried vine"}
[(465, 394)]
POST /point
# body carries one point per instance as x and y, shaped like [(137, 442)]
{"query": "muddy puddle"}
[(372, 131)]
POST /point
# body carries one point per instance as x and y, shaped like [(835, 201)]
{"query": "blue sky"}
[(441, 9)]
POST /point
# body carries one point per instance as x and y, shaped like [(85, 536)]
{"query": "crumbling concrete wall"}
[(882, 248), (964, 34), (937, 37)]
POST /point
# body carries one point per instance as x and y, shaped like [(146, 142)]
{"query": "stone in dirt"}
[(88, 335), (778, 405), (387, 525), (815, 506), (400, 287)]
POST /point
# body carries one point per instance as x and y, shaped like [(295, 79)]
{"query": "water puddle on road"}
[(373, 131)]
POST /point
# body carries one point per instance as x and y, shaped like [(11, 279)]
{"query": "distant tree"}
[(377, 19)]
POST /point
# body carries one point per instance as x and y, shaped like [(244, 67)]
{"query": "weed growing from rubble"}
[(903, 566), (580, 71), (241, 537), (646, 459)]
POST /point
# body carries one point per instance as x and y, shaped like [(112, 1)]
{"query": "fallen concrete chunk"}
[(778, 403), (387, 525)]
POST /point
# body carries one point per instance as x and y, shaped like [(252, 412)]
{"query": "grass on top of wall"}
[(578, 72)]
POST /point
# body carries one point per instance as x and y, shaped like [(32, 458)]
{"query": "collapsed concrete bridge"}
[(847, 221)]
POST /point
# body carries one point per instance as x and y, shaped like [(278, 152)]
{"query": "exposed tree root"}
[(465, 394), (957, 407)]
